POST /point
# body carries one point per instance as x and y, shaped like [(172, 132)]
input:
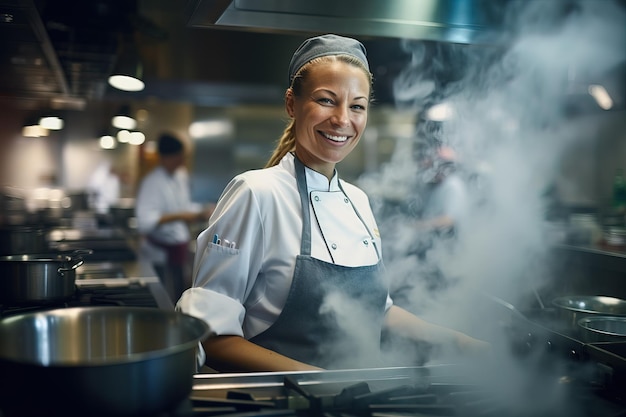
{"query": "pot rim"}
[(199, 325), (47, 257), (585, 321), (36, 258), (561, 302)]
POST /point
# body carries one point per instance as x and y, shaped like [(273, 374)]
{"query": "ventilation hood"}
[(471, 23), (458, 21)]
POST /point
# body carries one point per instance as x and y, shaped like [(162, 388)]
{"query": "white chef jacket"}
[(240, 286), (161, 193)]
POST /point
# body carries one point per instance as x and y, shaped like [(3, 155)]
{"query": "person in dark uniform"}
[(289, 273)]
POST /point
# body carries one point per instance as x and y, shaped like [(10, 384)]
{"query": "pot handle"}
[(79, 262), (78, 259)]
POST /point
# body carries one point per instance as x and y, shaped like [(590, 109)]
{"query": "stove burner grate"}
[(362, 399), (133, 294)]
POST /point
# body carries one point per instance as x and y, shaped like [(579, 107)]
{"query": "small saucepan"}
[(39, 278), (602, 329), (97, 361)]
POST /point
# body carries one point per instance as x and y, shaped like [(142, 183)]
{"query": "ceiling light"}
[(136, 138), (602, 97), (123, 136), (128, 70), (107, 142), (123, 119), (210, 128), (126, 83), (124, 122), (34, 131), (440, 112), (51, 123)]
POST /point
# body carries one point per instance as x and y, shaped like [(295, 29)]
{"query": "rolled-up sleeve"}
[(225, 272), (222, 313)]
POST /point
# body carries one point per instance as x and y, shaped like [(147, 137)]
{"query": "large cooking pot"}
[(38, 278), (575, 307), (603, 329), (123, 361), (22, 239)]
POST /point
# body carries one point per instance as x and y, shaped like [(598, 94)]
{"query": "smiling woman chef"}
[(289, 273)]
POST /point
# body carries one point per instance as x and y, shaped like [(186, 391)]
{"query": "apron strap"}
[(360, 218), (305, 245)]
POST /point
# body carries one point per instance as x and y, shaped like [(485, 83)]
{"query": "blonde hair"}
[(287, 142)]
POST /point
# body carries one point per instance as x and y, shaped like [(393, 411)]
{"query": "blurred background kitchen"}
[(212, 71)]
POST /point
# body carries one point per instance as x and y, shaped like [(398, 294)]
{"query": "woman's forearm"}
[(236, 354), (406, 324)]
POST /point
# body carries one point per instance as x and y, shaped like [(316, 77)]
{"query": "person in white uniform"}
[(289, 272), (103, 190), (446, 200), (164, 211)]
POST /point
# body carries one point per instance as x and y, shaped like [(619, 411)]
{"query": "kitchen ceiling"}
[(59, 53), (459, 21)]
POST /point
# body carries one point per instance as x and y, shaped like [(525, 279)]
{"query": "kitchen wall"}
[(587, 167), (611, 153), (66, 159)]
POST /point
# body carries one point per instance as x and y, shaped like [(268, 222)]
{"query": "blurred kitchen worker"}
[(289, 272), (103, 190), (445, 199), (164, 212)]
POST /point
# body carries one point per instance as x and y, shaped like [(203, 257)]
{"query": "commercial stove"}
[(535, 370), (131, 292), (433, 390)]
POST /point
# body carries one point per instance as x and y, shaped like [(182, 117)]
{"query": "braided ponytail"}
[(286, 143)]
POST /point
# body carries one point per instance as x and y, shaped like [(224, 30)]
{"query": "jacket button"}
[(334, 246), (345, 200), (317, 198), (366, 242)]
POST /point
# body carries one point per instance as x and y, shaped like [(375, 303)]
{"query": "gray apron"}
[(308, 328)]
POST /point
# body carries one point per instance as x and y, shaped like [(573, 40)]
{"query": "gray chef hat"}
[(326, 45)]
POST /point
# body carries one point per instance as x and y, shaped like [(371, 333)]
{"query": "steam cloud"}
[(514, 122)]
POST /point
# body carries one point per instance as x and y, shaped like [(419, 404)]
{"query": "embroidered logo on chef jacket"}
[(347, 239)]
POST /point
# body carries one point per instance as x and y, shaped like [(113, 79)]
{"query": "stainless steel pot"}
[(38, 278), (97, 361), (22, 239), (575, 307), (602, 329)]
